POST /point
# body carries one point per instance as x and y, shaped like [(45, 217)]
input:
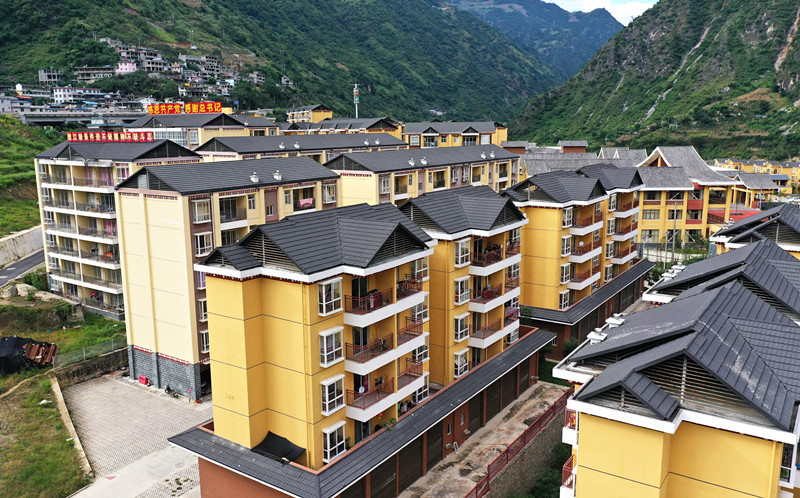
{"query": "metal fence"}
[(83, 354), (503, 459)]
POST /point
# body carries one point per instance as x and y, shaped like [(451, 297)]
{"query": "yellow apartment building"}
[(579, 259), (172, 218), (322, 341), (75, 184), (453, 134), (308, 114), (331, 126), (192, 130), (395, 176), (321, 148), (685, 399), (784, 174), (474, 276), (780, 224)]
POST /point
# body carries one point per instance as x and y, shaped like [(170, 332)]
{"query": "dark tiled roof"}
[(354, 464), (558, 186), (731, 333), (612, 177), (514, 143), (350, 236), (664, 178), (787, 215), (228, 175), (185, 121), (286, 143), (759, 181), (545, 162), (346, 124), (398, 160), (257, 121), (466, 208), (451, 127), (573, 143), (315, 107), (687, 158), (117, 151), (579, 310)]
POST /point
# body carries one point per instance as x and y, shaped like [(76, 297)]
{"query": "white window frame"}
[(460, 363), (566, 247), (201, 248), (461, 327), (322, 305), (461, 294), (463, 252), (201, 280), (385, 184), (651, 214), (329, 193), (609, 273), (270, 210), (420, 268), (202, 310), (287, 197), (454, 175), (612, 202), (422, 353), (611, 226), (513, 270), (420, 394), (331, 448), (413, 140), (420, 312), (194, 137), (512, 336), (563, 300), (566, 218), (566, 273), (610, 249), (336, 403), (251, 201), (201, 218), (205, 346), (334, 351), (486, 139)]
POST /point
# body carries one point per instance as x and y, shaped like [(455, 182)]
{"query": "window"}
[(649, 235), (430, 177), (486, 139), (201, 279), (611, 227), (443, 139), (454, 175), (330, 296), (676, 195), (194, 137), (420, 354), (332, 394), (596, 236), (470, 141), (694, 214), (595, 262), (430, 142), (419, 312), (203, 244), (413, 140), (329, 193), (652, 195), (455, 139), (514, 235), (202, 210), (513, 271), (566, 245), (610, 249), (287, 196), (202, 310), (609, 273), (612, 202), (330, 346), (675, 214), (465, 174), (385, 184), (565, 273), (650, 214), (419, 268), (333, 442), (461, 327), (512, 337), (122, 172), (229, 237), (554, 342), (563, 300), (270, 210), (462, 252), (421, 393), (566, 218), (204, 346), (460, 363), (251, 201), (462, 290)]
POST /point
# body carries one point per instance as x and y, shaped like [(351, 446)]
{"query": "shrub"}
[(38, 280)]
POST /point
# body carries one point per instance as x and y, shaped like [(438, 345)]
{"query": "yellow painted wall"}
[(359, 189), (540, 270)]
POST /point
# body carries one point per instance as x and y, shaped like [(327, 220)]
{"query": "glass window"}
[(652, 195), (201, 279), (202, 210), (443, 139), (194, 137), (566, 245), (287, 196), (419, 312), (413, 140), (462, 252), (332, 394), (251, 201), (203, 243), (512, 337), (330, 346), (229, 237), (202, 310), (566, 218), (419, 268), (611, 227), (650, 214), (612, 202), (420, 354), (462, 290), (461, 327), (454, 175), (565, 273), (609, 273), (204, 345), (329, 193), (270, 210), (385, 184), (333, 441), (563, 300), (610, 249), (486, 139), (460, 363), (330, 296), (122, 172), (675, 214), (421, 393)]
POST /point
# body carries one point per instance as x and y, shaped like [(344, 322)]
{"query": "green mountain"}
[(718, 74), (567, 40), (408, 57)]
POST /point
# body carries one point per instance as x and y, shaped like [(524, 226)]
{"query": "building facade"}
[(780, 224), (345, 125), (191, 130), (308, 114), (454, 134)]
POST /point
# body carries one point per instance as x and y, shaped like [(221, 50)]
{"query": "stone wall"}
[(163, 372), (521, 474), (18, 245), (91, 368)]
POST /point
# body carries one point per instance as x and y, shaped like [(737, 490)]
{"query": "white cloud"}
[(623, 10)]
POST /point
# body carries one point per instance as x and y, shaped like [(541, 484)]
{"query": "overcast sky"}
[(623, 10)]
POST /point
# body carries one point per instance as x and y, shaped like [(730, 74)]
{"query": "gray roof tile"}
[(398, 160), (289, 143), (117, 151)]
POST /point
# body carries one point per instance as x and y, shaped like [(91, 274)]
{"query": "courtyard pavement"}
[(124, 427)]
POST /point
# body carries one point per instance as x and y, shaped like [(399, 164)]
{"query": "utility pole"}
[(674, 226), (355, 97)]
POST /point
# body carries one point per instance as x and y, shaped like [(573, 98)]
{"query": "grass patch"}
[(17, 214), (549, 482), (36, 459), (11, 380)]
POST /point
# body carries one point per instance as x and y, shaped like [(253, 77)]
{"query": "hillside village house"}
[(454, 134), (308, 114)]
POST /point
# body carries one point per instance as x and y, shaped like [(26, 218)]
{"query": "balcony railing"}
[(96, 208), (439, 184), (581, 277), (484, 331), (102, 281), (232, 215), (624, 252), (512, 248), (627, 229), (412, 373), (510, 315), (96, 303), (410, 331), (58, 180), (570, 419), (61, 250), (304, 204), (625, 207), (487, 258), (59, 204), (588, 221), (580, 250), (368, 398), (99, 232), (717, 200), (567, 477), (512, 283), (94, 182), (65, 274), (363, 354), (108, 257), (62, 227), (715, 220), (486, 294), (372, 301), (408, 287)]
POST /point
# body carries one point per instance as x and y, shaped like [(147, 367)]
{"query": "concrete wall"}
[(91, 368), (18, 245), (521, 474)]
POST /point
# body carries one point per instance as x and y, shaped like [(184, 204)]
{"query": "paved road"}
[(17, 268)]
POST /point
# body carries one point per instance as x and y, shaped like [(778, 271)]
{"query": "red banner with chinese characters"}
[(110, 136), (164, 109), (202, 107)]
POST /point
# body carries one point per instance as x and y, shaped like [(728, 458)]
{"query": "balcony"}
[(304, 204), (111, 284), (623, 256), (93, 182), (583, 280), (413, 372), (364, 400), (61, 227), (228, 216), (372, 301), (56, 180), (103, 233), (512, 283), (510, 315), (57, 203), (714, 219), (486, 258), (485, 300), (625, 207), (581, 254), (412, 330), (363, 354), (487, 294), (408, 287), (626, 210), (439, 184), (65, 274), (626, 233), (60, 250), (512, 248), (484, 331), (586, 225), (96, 208), (568, 478), (483, 336), (569, 433)]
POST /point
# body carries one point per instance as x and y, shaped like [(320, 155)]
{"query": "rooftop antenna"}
[(355, 97)]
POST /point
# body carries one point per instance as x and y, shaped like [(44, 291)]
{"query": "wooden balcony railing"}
[(372, 301), (510, 315), (627, 229), (487, 258), (580, 250), (408, 287), (624, 252), (363, 354), (487, 294), (368, 398)]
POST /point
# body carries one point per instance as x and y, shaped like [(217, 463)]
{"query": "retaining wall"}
[(18, 245), (91, 368)]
